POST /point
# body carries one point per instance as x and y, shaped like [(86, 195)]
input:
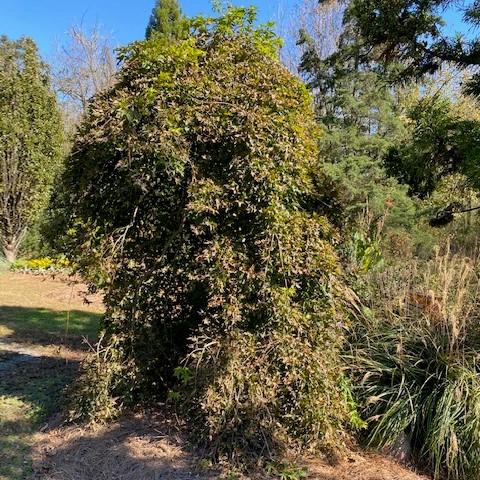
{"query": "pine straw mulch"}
[(361, 466), (136, 448), (149, 448)]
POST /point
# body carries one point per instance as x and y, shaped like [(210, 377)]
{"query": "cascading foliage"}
[(193, 197)]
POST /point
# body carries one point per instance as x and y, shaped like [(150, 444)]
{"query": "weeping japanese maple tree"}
[(193, 196)]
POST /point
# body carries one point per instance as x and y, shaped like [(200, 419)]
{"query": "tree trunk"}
[(10, 252)]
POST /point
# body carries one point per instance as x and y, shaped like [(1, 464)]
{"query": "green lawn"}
[(29, 395), (40, 325), (47, 319)]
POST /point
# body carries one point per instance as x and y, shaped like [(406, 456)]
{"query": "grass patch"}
[(29, 395), (36, 312), (43, 310), (41, 324), (14, 442)]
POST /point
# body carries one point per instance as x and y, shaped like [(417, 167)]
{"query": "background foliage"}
[(30, 141)]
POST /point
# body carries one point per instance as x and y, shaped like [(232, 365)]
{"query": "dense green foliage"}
[(167, 21), (193, 193), (30, 140), (362, 120), (440, 144)]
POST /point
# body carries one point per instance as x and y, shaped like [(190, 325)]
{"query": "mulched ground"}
[(150, 448)]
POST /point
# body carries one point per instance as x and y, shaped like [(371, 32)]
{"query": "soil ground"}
[(42, 323)]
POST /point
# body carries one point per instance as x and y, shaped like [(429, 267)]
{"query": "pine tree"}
[(30, 140), (167, 21), (353, 101), (361, 119), (412, 32)]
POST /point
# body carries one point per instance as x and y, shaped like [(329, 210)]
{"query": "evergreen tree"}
[(419, 145), (440, 143), (361, 118), (353, 103), (30, 140), (167, 21), (411, 31)]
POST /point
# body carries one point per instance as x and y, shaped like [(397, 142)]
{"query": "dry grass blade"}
[(416, 362)]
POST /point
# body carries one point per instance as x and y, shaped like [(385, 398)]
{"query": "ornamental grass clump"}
[(192, 197), (415, 363)]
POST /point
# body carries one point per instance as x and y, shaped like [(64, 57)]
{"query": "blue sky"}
[(46, 21)]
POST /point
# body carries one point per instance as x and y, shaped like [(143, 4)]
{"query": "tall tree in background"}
[(30, 140), (411, 31), (167, 21), (359, 113), (349, 93), (410, 34), (85, 65), (322, 22)]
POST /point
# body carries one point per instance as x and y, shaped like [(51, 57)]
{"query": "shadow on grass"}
[(32, 381), (47, 327), (31, 391)]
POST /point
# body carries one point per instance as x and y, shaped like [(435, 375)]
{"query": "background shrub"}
[(415, 362), (41, 265)]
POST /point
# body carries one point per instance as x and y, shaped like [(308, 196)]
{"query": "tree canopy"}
[(362, 120), (412, 32), (167, 21), (30, 140), (440, 143)]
